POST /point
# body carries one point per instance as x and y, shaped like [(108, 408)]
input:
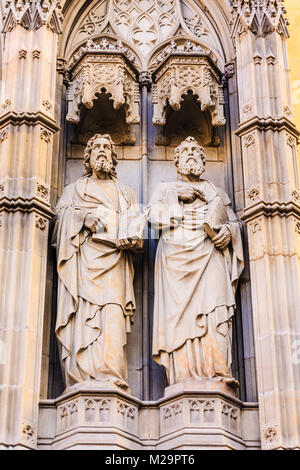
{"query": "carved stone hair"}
[(89, 148), (178, 150)]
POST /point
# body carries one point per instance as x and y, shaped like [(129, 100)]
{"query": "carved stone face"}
[(190, 158), (101, 156)]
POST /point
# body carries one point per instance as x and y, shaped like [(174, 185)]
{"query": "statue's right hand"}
[(186, 195), (92, 222)]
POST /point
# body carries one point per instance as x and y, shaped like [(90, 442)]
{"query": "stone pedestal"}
[(87, 418), (229, 387)]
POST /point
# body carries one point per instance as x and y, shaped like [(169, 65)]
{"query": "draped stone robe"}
[(95, 291), (195, 286)]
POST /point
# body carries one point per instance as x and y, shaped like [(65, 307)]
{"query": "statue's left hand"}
[(126, 244), (223, 238)]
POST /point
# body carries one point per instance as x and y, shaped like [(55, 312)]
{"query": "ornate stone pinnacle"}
[(262, 17), (32, 14)]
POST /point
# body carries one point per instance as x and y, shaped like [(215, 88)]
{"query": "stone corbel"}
[(97, 72), (181, 74)]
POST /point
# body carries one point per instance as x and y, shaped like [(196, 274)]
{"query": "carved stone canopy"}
[(108, 70), (182, 73)]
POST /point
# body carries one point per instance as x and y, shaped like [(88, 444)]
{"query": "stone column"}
[(27, 126), (272, 213)]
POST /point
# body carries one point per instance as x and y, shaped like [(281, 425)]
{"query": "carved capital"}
[(181, 74), (96, 72), (33, 14), (145, 79), (262, 17)]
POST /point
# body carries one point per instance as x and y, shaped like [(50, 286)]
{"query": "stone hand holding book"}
[(215, 217), (117, 226)]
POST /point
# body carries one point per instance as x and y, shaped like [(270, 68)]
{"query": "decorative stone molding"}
[(47, 105), (271, 59), (257, 58), (33, 14), (97, 72), (262, 17), (36, 54), (97, 410), (295, 193), (6, 106), (297, 227), (201, 411), (127, 413), (171, 415), (255, 227), (22, 54), (29, 434), (249, 140), (42, 191), (183, 48), (40, 223), (181, 74), (288, 112), (291, 141), (270, 437), (3, 135), (105, 45), (253, 194), (247, 110), (46, 136)]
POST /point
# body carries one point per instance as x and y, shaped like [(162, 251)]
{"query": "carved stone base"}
[(110, 419), (198, 386), (94, 386)]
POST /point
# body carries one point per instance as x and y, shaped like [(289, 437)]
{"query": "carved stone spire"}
[(260, 16), (32, 14)]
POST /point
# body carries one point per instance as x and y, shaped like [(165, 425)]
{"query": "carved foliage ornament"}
[(183, 74), (33, 14), (259, 16), (96, 73)]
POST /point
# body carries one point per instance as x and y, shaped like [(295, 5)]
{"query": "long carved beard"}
[(101, 164), (190, 168)]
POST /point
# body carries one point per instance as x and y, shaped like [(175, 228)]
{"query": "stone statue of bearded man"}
[(95, 271), (198, 262)]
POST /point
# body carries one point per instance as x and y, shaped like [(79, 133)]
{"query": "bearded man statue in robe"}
[(95, 270), (198, 262)]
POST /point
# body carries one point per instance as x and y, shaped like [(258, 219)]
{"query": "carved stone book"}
[(215, 216), (119, 226)]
